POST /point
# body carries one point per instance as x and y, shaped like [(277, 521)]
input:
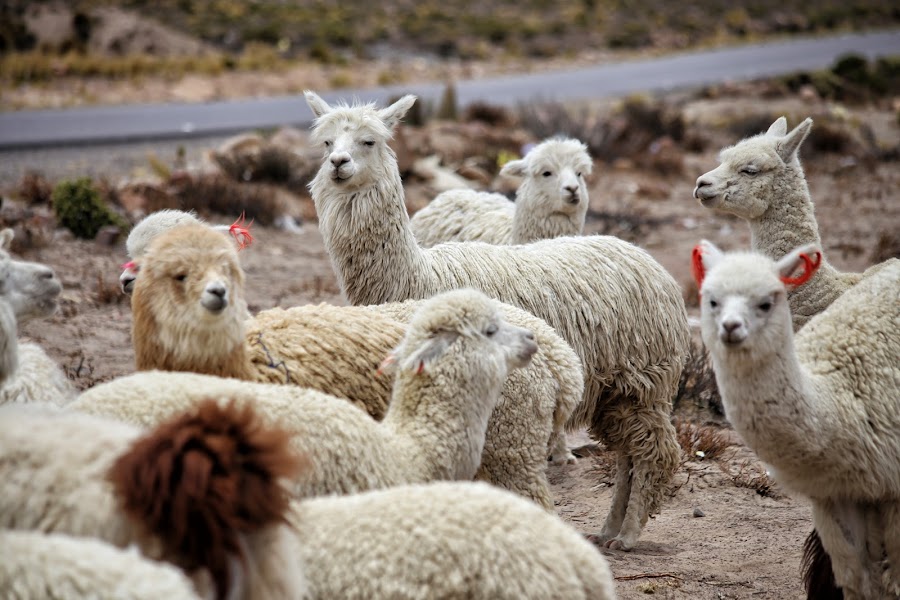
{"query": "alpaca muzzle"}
[(214, 298)]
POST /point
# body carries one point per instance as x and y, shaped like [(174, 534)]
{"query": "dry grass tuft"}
[(34, 189), (703, 442), (107, 292), (698, 382), (752, 476)]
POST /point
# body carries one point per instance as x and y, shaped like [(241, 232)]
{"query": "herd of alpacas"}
[(330, 451)]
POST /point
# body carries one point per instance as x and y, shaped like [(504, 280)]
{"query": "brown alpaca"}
[(189, 315)]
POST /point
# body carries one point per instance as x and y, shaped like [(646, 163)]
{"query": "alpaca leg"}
[(617, 510), (559, 449), (842, 528), (890, 534)]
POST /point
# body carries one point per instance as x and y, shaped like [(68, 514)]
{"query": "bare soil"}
[(747, 542)]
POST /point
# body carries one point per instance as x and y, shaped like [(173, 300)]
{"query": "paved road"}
[(33, 129)]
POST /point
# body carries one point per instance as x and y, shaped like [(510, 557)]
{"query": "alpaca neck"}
[(366, 232), (770, 400), (9, 345), (788, 223), (442, 425)]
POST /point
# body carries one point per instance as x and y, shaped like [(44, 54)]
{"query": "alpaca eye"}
[(765, 306), (750, 170), (578, 174), (369, 143), (328, 143), (491, 330), (180, 277), (547, 173), (713, 303)]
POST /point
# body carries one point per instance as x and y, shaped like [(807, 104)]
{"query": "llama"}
[(188, 305), (760, 180), (820, 406), (618, 308), (552, 201)]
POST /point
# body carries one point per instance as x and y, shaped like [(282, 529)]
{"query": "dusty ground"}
[(747, 545)]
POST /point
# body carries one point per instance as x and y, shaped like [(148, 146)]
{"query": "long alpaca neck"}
[(790, 222), (9, 344), (367, 234), (771, 401), (440, 424), (532, 223)]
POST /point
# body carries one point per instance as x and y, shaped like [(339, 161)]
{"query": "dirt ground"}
[(713, 538)]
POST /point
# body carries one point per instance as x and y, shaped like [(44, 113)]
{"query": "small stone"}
[(698, 512)]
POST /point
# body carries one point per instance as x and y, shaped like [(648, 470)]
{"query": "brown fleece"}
[(816, 571), (203, 479)]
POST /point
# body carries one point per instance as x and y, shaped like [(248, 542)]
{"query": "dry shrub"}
[(493, 115), (701, 441), (698, 382), (34, 189), (631, 227), (269, 163), (752, 476), (887, 247), (219, 194), (106, 292), (80, 371)]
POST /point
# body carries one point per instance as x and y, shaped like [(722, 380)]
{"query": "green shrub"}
[(79, 207)]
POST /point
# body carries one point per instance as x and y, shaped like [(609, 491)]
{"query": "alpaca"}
[(451, 366), (618, 308), (62, 567), (552, 201), (188, 305), (760, 180), (27, 290), (820, 406), (205, 491)]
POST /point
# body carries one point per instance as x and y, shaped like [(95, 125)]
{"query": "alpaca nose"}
[(572, 192), (701, 183), (214, 298), (339, 160), (730, 326), (216, 289), (46, 273)]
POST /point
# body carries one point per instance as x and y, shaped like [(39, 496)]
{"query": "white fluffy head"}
[(553, 173), (753, 171), (30, 289), (354, 140), (469, 325), (743, 302)]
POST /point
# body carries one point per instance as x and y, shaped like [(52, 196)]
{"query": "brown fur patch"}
[(816, 571), (201, 480)]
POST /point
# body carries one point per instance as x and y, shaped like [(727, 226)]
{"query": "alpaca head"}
[(743, 304), (553, 173), (190, 294), (30, 289), (354, 140), (755, 172), (469, 325)]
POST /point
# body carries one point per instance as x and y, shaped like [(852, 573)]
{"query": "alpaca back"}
[(464, 216)]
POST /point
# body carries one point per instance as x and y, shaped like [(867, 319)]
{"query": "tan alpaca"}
[(188, 305)]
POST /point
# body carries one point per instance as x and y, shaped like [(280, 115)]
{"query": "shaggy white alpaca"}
[(618, 308), (27, 290), (189, 312), (451, 367), (205, 492), (820, 406), (60, 567), (552, 201), (760, 179)]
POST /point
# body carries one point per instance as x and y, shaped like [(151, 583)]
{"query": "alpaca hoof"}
[(617, 544), (566, 458)]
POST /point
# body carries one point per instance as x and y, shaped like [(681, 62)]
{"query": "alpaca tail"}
[(815, 569), (202, 480)]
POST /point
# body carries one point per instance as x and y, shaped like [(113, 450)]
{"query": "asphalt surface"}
[(117, 124)]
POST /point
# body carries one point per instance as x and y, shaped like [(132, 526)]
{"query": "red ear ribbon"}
[(129, 265), (810, 266), (388, 360), (241, 233), (697, 269)]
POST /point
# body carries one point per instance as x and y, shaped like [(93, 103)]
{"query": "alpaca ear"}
[(788, 146), (396, 111), (514, 168), (807, 259), (6, 237), (703, 258), (778, 128), (428, 351), (318, 106)]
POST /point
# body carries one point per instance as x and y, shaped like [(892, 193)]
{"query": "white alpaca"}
[(451, 367), (27, 290), (552, 201), (61, 567), (189, 309), (820, 406), (760, 179), (205, 492), (618, 308)]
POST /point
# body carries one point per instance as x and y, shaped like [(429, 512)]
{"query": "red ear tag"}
[(129, 265), (241, 233), (810, 266), (697, 269)]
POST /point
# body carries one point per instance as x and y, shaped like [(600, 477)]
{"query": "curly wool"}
[(820, 406), (618, 308), (337, 350), (776, 204), (61, 567), (551, 202)]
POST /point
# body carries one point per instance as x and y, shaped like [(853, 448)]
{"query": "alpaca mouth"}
[(574, 200), (338, 178), (214, 304)]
